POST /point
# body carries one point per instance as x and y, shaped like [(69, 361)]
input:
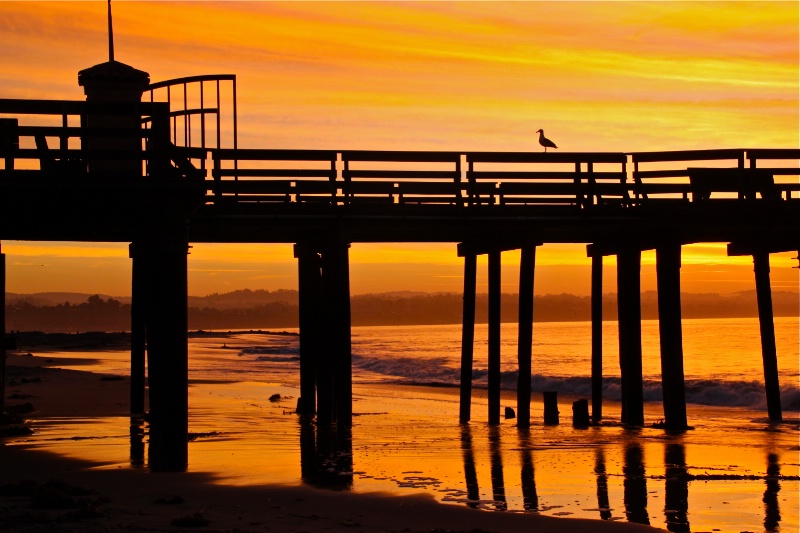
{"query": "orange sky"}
[(615, 76)]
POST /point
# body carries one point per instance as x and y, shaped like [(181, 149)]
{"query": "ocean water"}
[(734, 471), (722, 358)]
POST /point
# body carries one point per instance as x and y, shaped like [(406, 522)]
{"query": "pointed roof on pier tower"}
[(113, 81)]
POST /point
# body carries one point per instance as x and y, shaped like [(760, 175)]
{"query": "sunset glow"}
[(597, 76)]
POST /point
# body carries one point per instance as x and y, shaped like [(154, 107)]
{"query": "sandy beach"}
[(256, 466), (43, 491)]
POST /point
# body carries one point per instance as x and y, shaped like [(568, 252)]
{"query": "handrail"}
[(180, 108), (192, 79), (344, 177)]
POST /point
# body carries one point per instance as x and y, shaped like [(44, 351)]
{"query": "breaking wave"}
[(437, 372)]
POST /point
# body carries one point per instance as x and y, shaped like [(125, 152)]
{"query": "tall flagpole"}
[(110, 35)]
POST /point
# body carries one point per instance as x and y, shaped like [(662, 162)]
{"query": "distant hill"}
[(261, 309), (55, 298)]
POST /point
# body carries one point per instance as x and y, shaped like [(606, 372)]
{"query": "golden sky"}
[(480, 75)]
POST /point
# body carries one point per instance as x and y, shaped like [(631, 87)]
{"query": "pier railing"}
[(65, 139), (57, 138), (581, 180), (202, 114)]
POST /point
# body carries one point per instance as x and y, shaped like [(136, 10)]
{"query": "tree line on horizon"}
[(262, 309)]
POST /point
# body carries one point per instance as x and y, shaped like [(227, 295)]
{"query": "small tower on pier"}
[(113, 93)]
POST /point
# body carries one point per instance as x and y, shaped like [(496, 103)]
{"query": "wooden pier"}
[(116, 168)]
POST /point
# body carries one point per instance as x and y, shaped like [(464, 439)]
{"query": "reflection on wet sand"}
[(676, 489), (530, 500), (470, 473), (635, 484), (498, 484), (772, 512), (602, 484), (326, 456), (137, 441)]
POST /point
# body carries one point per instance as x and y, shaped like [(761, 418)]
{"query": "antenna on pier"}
[(110, 35)]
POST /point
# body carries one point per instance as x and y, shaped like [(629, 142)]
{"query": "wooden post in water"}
[(2, 333), (768, 349), (167, 347), (668, 272), (597, 338), (630, 335), (309, 292), (525, 337), (336, 281), (467, 336), (138, 330), (493, 376)]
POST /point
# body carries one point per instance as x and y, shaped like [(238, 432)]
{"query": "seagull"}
[(544, 141)]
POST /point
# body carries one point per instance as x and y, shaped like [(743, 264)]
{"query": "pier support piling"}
[(309, 291), (2, 333), (166, 323), (493, 375), (668, 265), (597, 338), (630, 335), (336, 288), (467, 336), (138, 332), (767, 326), (525, 336)]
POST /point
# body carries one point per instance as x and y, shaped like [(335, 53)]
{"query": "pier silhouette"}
[(138, 162)]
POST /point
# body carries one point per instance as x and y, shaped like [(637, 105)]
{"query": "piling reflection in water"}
[(137, 441), (470, 473), (772, 512), (676, 489), (635, 485), (326, 456), (530, 500), (602, 484), (498, 484)]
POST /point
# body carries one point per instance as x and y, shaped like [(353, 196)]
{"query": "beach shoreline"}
[(404, 454), (95, 496)]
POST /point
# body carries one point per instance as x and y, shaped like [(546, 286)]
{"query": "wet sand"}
[(256, 466), (43, 491)]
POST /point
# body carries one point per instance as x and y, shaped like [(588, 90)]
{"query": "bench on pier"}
[(746, 182), (64, 166)]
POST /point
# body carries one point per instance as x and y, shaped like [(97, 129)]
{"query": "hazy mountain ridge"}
[(261, 309)]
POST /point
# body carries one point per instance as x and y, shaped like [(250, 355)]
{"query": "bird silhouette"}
[(544, 141)]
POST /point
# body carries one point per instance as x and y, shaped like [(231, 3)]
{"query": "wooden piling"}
[(597, 338), (668, 265), (493, 376), (550, 407), (525, 337), (467, 336), (138, 331), (336, 283), (309, 292), (630, 335), (2, 333), (580, 413), (767, 326), (167, 347)]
